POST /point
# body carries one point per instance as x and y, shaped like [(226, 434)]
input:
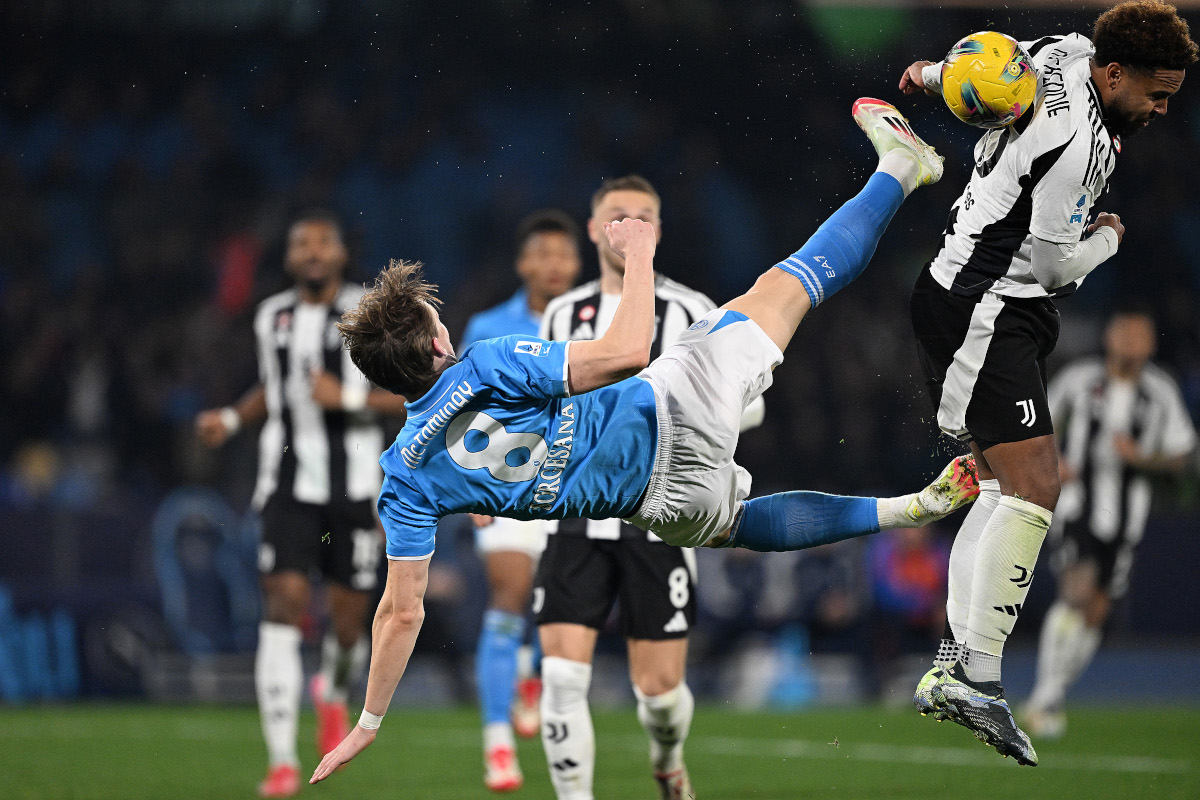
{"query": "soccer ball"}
[(988, 80)]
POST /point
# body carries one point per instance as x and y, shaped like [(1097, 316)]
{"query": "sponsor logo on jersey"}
[(414, 451), (699, 326), (549, 477), (1077, 214), (530, 348)]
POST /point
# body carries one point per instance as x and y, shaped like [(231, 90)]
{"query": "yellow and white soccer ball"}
[(988, 80)]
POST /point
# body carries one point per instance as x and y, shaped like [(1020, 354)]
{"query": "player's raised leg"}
[(801, 520), (841, 248)]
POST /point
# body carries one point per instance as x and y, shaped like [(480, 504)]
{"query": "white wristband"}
[(354, 396), (231, 419), (369, 721), (932, 77)]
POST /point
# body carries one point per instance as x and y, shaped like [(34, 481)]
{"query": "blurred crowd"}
[(147, 174)]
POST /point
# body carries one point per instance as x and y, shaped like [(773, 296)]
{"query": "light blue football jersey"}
[(511, 316), (498, 434)]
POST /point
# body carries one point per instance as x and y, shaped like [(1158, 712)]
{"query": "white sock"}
[(1067, 645), (903, 166), (962, 557), (1004, 560), (342, 667), (893, 512), (666, 718), (278, 680), (498, 734), (949, 651), (567, 734), (525, 662)]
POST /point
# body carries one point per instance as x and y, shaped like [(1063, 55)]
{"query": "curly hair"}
[(1144, 34), (390, 334)]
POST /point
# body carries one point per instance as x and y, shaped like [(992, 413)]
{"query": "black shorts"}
[(339, 540), (984, 360), (578, 580), (1073, 543)]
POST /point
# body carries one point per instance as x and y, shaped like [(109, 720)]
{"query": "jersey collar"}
[(445, 383)]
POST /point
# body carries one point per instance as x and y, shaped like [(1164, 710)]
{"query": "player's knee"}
[(660, 676), (284, 604), (1095, 613), (511, 594), (1038, 486)]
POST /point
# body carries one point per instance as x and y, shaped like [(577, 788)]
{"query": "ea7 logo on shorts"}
[(1029, 412), (822, 262), (529, 348)]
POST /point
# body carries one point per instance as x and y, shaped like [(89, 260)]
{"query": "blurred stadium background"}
[(150, 154)]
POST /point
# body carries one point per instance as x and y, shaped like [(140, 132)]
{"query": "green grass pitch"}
[(128, 752)]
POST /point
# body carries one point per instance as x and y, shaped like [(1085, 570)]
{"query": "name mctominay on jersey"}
[(499, 434)]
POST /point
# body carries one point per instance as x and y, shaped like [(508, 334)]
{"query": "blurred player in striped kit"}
[(548, 262), (591, 563), (1120, 421), (318, 476)]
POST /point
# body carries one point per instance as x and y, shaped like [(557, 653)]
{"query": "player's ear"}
[(595, 230), (1112, 74)]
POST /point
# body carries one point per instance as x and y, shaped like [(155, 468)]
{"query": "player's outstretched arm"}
[(393, 635), (624, 349)]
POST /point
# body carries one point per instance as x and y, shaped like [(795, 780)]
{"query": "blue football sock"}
[(496, 663), (841, 248), (799, 520)]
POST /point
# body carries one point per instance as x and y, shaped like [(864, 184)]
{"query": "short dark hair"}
[(1133, 308), (319, 214), (1143, 34), (390, 333), (545, 220), (627, 183)]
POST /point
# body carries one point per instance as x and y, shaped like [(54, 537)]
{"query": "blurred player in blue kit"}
[(548, 262), (532, 429)]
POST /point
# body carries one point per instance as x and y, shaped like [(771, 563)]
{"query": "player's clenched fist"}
[(631, 236), (1110, 220)]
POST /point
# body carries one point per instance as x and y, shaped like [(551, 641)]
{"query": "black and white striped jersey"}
[(1038, 178), (311, 454), (585, 313), (1089, 409)]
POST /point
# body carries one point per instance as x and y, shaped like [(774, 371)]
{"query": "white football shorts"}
[(702, 383), (522, 536)]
